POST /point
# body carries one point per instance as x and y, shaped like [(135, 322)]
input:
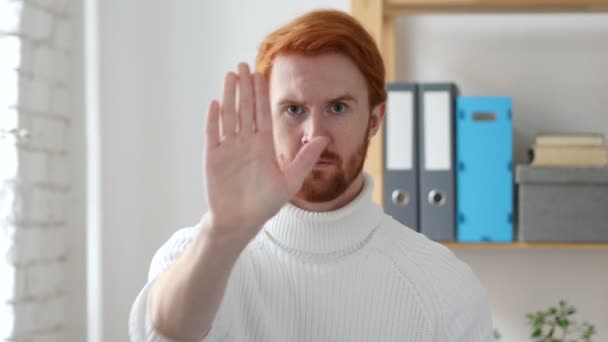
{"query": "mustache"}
[(330, 157)]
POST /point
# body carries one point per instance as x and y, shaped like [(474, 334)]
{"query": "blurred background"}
[(102, 111)]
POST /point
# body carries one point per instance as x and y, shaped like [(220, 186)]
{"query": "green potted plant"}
[(556, 324)]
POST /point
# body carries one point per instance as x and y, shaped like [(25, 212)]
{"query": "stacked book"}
[(569, 150)]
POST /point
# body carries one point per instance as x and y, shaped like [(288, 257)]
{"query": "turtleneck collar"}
[(296, 229)]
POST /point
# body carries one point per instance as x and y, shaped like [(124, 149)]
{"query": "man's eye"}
[(338, 107), (293, 109)]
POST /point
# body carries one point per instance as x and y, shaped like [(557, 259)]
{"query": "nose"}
[(313, 126)]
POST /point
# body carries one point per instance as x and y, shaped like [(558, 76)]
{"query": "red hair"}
[(327, 31)]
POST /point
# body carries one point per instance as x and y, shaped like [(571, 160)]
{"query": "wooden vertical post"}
[(372, 15)]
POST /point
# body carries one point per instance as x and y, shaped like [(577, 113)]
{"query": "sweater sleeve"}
[(453, 298), (464, 314), (140, 325), (470, 319), (141, 328)]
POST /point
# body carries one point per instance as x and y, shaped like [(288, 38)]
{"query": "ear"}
[(375, 121)]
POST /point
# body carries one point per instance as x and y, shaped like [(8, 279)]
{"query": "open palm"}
[(245, 186)]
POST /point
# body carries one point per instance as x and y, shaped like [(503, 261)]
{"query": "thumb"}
[(303, 163)]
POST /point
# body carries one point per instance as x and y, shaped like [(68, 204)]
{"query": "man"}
[(292, 248)]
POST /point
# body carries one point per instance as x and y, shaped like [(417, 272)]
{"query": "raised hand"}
[(245, 186)]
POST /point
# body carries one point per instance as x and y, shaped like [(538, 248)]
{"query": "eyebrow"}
[(342, 98)]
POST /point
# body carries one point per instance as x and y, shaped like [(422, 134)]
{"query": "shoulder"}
[(415, 251), (171, 250), (447, 285), (418, 257)]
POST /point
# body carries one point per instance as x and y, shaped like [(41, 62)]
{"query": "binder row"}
[(448, 170)]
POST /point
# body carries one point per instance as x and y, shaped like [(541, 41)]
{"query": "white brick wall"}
[(35, 192), (36, 23), (33, 95)]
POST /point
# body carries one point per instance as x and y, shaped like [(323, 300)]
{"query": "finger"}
[(246, 101), (228, 111), (213, 124), (303, 163), (262, 103)]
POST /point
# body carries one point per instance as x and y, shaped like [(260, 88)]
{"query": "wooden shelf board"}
[(396, 7), (528, 245)]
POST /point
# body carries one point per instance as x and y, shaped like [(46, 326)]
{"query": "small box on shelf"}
[(562, 204)]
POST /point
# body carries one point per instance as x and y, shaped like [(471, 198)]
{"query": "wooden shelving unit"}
[(378, 17), (529, 245), (398, 7)]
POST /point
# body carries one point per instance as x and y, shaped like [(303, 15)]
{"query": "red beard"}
[(327, 185)]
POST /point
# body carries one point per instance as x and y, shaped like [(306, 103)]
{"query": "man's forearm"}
[(184, 300)]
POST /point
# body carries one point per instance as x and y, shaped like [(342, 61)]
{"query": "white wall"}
[(554, 67), (137, 147), (162, 62), (36, 218), (76, 307)]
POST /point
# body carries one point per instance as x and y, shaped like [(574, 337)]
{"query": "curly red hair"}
[(326, 31)]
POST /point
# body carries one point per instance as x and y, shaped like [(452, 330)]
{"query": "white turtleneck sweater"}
[(353, 274)]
